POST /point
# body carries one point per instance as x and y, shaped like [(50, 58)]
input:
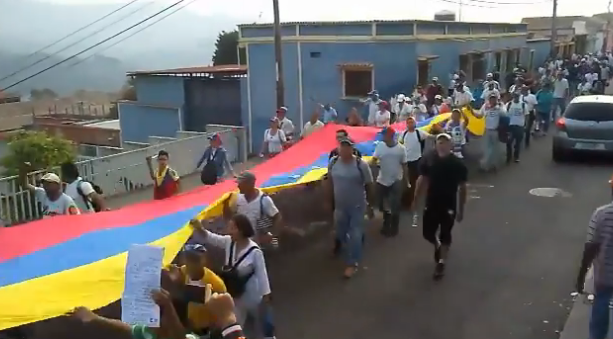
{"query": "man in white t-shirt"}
[(462, 97), (383, 116), (51, 197), (392, 160), (414, 141), (560, 94), (312, 125), (530, 100), (258, 207), (82, 192), (285, 124)]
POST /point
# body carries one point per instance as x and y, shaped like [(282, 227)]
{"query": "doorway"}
[(423, 72)]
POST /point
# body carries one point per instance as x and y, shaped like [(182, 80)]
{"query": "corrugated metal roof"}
[(220, 69), (357, 22)]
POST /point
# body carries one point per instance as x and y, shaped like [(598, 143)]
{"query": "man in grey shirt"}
[(348, 177), (598, 251)]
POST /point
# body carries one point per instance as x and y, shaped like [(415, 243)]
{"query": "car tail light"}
[(561, 124)]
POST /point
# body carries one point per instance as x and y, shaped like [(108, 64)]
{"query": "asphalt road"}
[(510, 273)]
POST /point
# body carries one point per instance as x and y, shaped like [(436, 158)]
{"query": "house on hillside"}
[(575, 34)]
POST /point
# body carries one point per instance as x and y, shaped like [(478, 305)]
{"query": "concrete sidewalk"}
[(188, 182)]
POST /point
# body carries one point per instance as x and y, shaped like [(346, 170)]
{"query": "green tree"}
[(39, 149), (225, 49)]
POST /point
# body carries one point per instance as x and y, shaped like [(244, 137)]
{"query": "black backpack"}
[(208, 176), (235, 283), (85, 198), (422, 142)]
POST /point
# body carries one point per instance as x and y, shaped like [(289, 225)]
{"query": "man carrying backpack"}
[(85, 194), (517, 112), (414, 142)]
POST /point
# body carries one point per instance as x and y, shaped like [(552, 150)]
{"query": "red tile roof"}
[(220, 69)]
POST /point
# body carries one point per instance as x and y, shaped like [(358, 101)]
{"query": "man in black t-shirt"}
[(442, 175)]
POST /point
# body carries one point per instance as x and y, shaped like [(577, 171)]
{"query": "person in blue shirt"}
[(215, 160), (544, 98)]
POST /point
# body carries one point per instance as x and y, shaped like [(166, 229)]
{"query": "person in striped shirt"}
[(598, 251)]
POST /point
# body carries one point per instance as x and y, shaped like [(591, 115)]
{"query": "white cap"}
[(489, 75), (51, 177), (438, 96), (400, 98), (456, 77), (434, 78), (443, 135)]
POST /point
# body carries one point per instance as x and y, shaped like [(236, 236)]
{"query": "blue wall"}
[(541, 51), (394, 64), (160, 90), (138, 122)]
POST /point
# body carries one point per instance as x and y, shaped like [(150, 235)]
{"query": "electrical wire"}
[(81, 29), (131, 35), (47, 57), (493, 2), (94, 46)]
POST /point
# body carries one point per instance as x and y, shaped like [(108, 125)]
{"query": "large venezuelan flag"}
[(50, 266)]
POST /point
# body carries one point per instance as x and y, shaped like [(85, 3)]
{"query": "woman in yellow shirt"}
[(191, 279)]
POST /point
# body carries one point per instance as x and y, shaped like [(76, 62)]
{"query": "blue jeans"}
[(558, 103), (350, 231), (491, 149), (599, 320), (544, 119)]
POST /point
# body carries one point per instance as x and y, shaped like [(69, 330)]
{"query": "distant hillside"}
[(183, 39), (98, 73)]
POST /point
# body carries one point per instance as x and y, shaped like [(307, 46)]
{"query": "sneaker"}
[(458, 155), (415, 220), (439, 271)]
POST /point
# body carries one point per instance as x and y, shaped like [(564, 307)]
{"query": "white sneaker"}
[(459, 155), (415, 220)]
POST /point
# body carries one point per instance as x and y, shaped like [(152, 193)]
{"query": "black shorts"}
[(438, 221)]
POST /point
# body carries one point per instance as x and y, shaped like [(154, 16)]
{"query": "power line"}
[(47, 57), (81, 29), (131, 35), (95, 45), (509, 3)]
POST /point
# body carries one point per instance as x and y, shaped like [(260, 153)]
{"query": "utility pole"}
[(605, 44), (278, 55), (554, 29), (460, 11)]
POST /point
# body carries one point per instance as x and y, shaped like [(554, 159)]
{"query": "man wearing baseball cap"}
[(392, 179), (442, 174), (53, 200)]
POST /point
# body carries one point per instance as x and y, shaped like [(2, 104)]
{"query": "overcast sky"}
[(331, 10)]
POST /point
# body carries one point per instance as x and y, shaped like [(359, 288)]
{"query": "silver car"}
[(585, 126)]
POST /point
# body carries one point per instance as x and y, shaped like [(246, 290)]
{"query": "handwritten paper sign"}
[(143, 274)]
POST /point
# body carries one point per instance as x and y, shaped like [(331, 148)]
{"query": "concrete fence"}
[(125, 172)]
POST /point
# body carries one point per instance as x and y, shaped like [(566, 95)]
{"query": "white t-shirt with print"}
[(411, 144), (86, 188), (275, 141), (61, 206), (391, 163), (251, 209)]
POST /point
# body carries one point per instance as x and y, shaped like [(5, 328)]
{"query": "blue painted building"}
[(184, 99), (339, 62)]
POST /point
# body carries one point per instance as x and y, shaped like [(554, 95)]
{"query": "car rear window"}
[(590, 111)]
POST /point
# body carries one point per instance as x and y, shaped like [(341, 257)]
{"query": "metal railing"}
[(122, 173)]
